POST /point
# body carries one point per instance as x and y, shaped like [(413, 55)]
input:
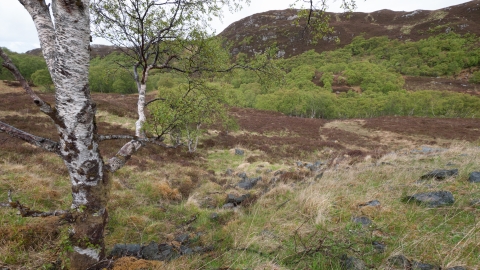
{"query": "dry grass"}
[(155, 197)]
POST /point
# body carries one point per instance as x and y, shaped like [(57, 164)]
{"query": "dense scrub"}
[(363, 79)]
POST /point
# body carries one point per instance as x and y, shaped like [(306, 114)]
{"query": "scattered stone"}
[(167, 252), (423, 266), (279, 172), (184, 250), (239, 152), (432, 199), (373, 203), (379, 246), (299, 164), (319, 176), (474, 177), (228, 206), (248, 183), (352, 263), (242, 175), (182, 238), (229, 172), (475, 203), (440, 174), (231, 198), (365, 221), (122, 250), (214, 216), (151, 252), (399, 261)]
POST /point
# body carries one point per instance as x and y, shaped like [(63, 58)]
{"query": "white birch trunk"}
[(142, 90), (65, 46)]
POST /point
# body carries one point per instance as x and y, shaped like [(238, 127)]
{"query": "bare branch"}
[(153, 100), (27, 212), (125, 153), (43, 143), (157, 140), (44, 106)]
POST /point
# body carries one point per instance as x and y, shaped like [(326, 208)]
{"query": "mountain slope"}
[(254, 33)]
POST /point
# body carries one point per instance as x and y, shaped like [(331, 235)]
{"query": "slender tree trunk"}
[(142, 90)]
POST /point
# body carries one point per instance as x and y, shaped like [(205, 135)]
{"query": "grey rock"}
[(379, 246), (229, 172), (151, 252), (319, 176), (228, 206), (440, 174), (184, 250), (214, 216), (182, 238), (399, 261), (319, 163), (236, 200), (432, 199), (230, 198), (475, 203), (167, 252), (371, 203), (423, 266), (279, 172), (248, 183), (352, 263), (121, 250), (242, 175), (456, 268), (239, 152), (474, 177), (299, 164), (365, 221)]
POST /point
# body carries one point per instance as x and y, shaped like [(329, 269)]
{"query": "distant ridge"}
[(254, 33)]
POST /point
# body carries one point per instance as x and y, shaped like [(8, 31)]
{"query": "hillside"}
[(254, 33), (280, 193)]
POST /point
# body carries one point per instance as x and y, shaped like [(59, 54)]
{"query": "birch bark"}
[(65, 46)]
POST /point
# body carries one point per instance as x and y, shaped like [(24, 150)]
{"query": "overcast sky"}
[(18, 33)]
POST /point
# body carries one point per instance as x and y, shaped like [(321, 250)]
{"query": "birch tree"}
[(64, 33)]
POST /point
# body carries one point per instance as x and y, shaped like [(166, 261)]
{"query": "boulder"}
[(440, 174), (365, 221), (352, 263), (248, 183), (239, 152), (151, 252), (474, 177), (122, 250), (432, 199)]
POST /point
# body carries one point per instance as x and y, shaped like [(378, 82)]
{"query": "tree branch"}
[(26, 212), (44, 106), (43, 143)]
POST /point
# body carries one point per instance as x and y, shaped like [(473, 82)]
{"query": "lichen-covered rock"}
[(432, 199)]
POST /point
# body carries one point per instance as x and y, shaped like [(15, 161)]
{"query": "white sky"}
[(17, 31)]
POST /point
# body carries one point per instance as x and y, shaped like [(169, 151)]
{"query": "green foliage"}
[(106, 76), (27, 65), (42, 78), (475, 77)]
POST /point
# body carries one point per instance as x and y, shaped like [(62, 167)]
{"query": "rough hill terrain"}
[(255, 33), (320, 193)]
